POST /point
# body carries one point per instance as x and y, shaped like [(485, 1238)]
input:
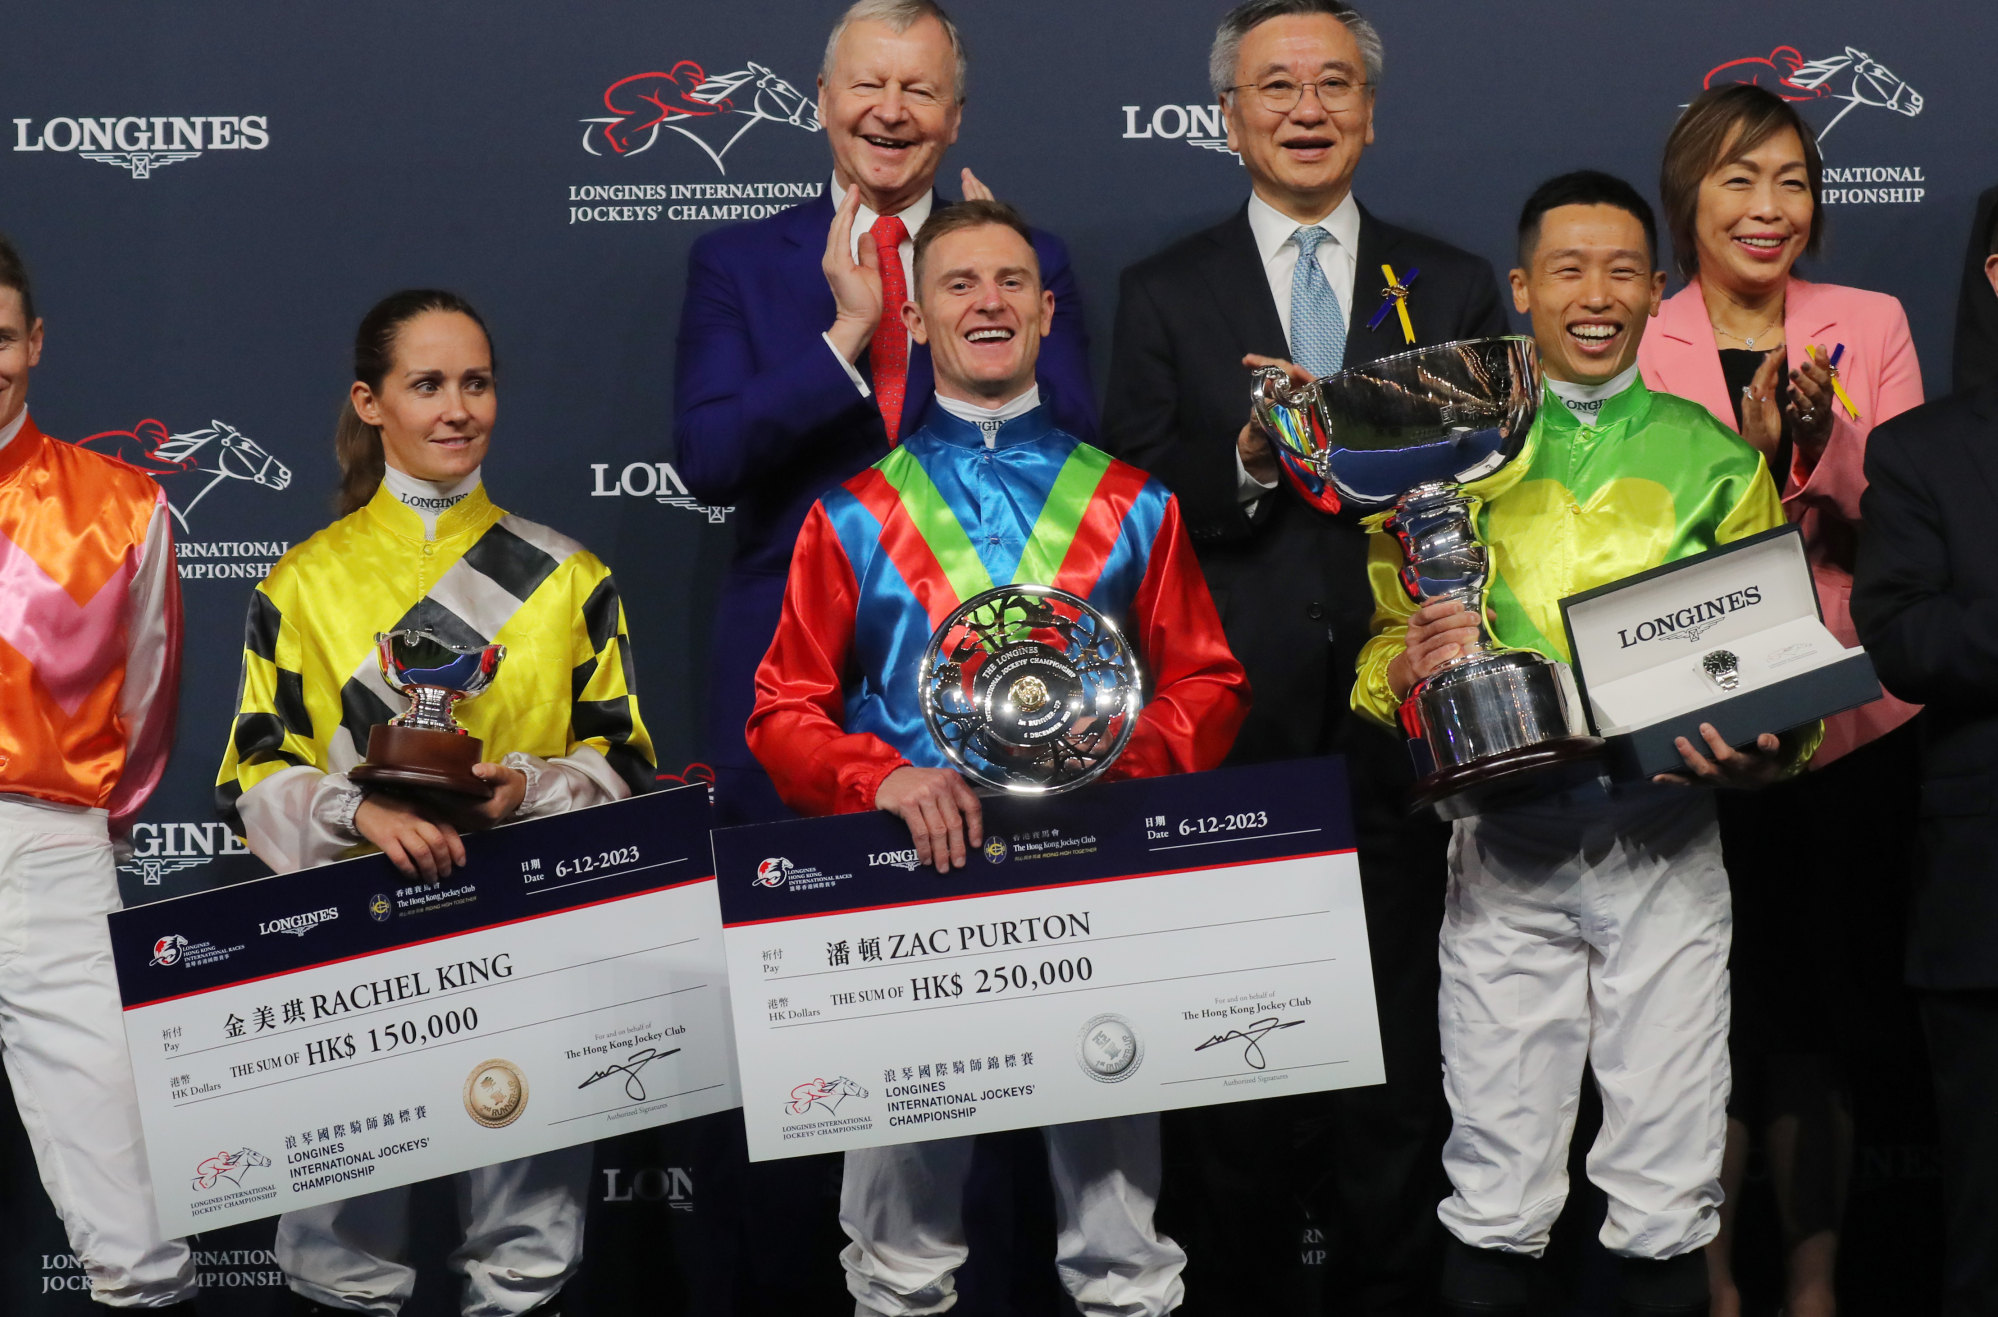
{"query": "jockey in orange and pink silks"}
[(89, 660)]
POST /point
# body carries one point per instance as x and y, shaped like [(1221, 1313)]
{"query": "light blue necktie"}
[(1317, 327)]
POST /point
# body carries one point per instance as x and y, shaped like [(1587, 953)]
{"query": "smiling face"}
[(436, 405), (1755, 215), (20, 352), (889, 106), (1301, 162), (981, 308), (1589, 288)]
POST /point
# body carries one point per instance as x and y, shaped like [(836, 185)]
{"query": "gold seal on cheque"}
[(495, 1093)]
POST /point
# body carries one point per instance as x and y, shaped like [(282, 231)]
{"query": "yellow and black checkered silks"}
[(311, 689)]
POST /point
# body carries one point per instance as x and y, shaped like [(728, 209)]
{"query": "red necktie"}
[(888, 354)]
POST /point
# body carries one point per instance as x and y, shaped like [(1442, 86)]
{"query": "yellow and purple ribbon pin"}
[(1395, 298), (1831, 364)]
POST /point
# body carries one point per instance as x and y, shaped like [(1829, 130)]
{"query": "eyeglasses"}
[(1281, 95)]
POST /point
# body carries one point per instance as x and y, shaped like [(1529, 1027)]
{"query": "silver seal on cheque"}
[(1108, 1049), (495, 1093)]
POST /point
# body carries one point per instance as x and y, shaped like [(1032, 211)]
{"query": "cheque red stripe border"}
[(420, 942), (1042, 887)]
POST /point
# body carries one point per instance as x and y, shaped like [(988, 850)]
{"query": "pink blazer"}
[(1680, 355)]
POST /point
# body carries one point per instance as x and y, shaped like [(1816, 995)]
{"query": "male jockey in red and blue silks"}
[(988, 492)]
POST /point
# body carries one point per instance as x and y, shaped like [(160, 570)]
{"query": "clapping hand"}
[(856, 284)]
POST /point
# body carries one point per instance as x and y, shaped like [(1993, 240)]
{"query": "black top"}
[(1739, 366)]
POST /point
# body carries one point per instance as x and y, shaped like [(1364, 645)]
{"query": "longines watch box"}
[(1732, 637)]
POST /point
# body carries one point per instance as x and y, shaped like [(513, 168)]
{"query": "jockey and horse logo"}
[(230, 1166), (190, 465), (825, 1094), (1853, 78), (711, 112)]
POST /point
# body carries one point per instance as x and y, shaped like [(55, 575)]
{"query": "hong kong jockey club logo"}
[(773, 872), (711, 112), (140, 144), (230, 1166), (825, 1094), (1826, 90), (167, 951)]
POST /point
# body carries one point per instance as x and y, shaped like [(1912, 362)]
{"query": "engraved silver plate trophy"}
[(424, 749), (1029, 689), (1408, 432)]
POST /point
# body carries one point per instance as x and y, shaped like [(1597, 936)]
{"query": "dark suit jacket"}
[(1975, 356), (1291, 583), (1925, 599), (766, 421)]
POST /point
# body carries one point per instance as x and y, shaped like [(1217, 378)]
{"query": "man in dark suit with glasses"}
[(1296, 275)]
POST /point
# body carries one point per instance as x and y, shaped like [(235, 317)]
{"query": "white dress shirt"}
[(1339, 258), (914, 216), (13, 427), (1276, 242), (989, 419)]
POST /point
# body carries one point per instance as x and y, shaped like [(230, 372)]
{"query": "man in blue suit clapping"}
[(794, 370)]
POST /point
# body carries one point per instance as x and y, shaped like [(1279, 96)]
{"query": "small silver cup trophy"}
[(1408, 432), (424, 749), (1029, 689)]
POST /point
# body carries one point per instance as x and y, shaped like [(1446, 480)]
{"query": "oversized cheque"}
[(330, 1032), (1151, 944)]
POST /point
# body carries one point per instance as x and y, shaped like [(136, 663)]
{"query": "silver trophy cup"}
[(1408, 432), (1029, 689), (424, 749)]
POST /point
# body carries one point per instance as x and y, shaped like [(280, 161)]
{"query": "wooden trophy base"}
[(1514, 775), (416, 762)]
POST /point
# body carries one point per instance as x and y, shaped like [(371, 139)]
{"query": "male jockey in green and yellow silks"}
[(1591, 927)]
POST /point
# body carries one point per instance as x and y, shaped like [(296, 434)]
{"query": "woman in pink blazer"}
[(1741, 184)]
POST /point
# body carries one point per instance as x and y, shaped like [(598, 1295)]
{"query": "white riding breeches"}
[(523, 1224), (62, 1031), (1590, 930), (903, 1208)]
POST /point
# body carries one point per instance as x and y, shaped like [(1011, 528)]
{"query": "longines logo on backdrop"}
[(190, 466), (140, 144), (1825, 91), (1196, 125), (159, 849), (672, 1185), (653, 480), (685, 107)]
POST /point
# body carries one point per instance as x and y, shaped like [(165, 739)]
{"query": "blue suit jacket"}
[(766, 420)]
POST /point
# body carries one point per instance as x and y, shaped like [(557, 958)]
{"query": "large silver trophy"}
[(424, 749), (1407, 433), (1029, 689)]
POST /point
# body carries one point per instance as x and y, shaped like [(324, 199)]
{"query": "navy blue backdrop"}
[(210, 194)]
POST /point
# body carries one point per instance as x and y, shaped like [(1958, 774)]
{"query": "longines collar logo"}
[(1722, 668)]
